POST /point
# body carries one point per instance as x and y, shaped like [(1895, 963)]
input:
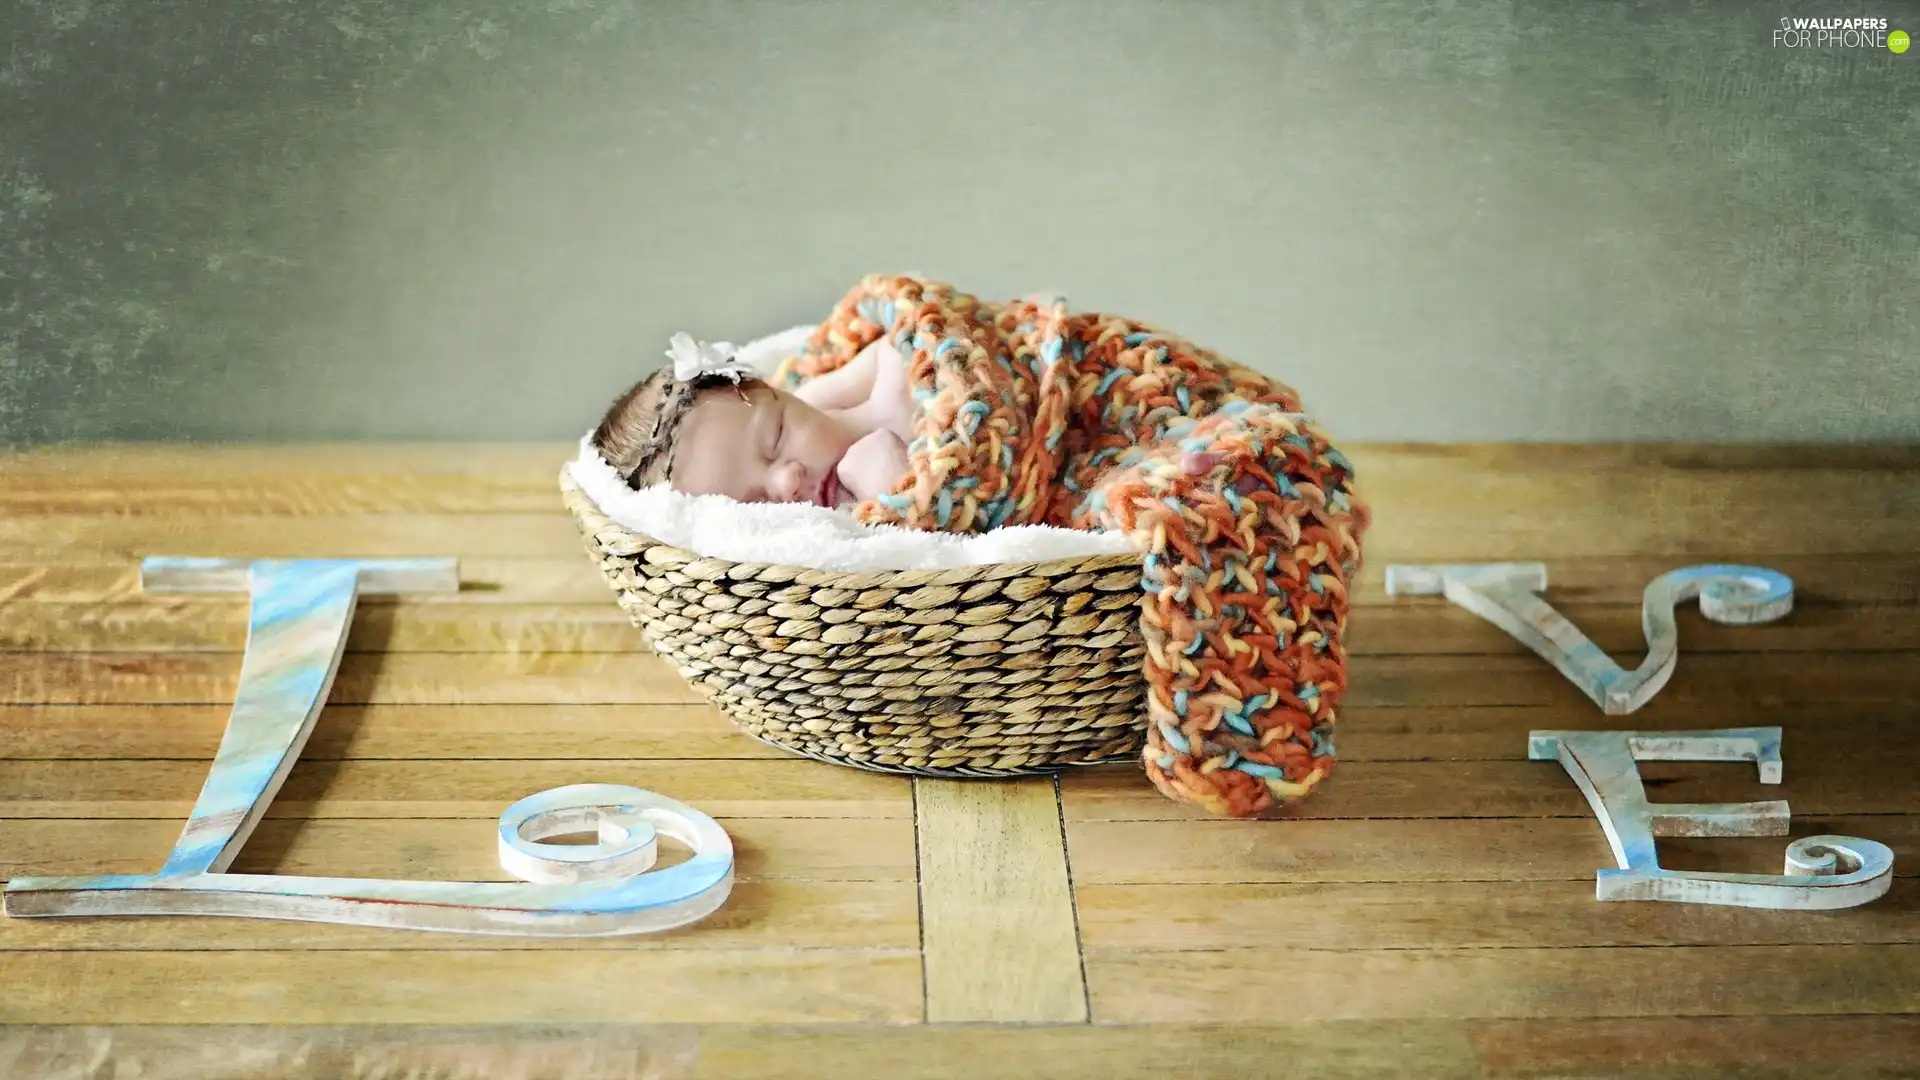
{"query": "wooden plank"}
[(208, 624), (370, 732), (456, 849), (1524, 503), (1621, 579), (1719, 679), (572, 579), (463, 987), (1705, 515), (100, 461), (1455, 914), (1649, 1048), (1422, 627), (385, 491), (1689, 525), (1649, 470), (1698, 1048), (1336, 1051), (1822, 779), (1155, 987), (1443, 459), (75, 538), (1811, 678), (1504, 850), (1470, 733), (791, 787), (1717, 532), (218, 624), (1815, 785), (757, 915), (1000, 944), (364, 679), (133, 463)]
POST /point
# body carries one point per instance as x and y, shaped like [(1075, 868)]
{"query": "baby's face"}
[(769, 447)]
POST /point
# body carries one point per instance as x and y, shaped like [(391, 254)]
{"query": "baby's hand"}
[(890, 405), (873, 465)]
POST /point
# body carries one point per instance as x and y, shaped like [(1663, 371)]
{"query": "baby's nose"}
[(790, 483)]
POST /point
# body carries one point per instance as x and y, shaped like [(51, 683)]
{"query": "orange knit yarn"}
[(1244, 514)]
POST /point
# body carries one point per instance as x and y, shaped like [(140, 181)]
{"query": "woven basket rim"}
[(603, 528)]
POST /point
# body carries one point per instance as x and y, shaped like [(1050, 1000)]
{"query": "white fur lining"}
[(801, 534)]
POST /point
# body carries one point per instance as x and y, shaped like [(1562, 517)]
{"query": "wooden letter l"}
[(297, 628)]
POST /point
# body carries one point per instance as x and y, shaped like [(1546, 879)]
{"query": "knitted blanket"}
[(1245, 517)]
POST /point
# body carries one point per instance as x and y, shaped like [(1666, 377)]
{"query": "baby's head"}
[(749, 442)]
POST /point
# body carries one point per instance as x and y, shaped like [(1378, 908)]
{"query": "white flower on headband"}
[(692, 359)]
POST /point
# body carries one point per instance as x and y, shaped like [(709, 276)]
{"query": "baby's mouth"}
[(829, 494)]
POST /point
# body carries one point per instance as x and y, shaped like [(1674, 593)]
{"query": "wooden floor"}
[(1430, 913)]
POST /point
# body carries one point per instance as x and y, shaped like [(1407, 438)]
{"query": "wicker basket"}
[(1007, 669)]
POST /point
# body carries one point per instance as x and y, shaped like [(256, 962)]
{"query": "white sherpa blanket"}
[(801, 534)]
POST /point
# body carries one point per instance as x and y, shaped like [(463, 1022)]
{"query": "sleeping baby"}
[(838, 440), (1028, 413)]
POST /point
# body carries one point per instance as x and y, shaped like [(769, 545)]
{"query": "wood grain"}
[(68, 678), (1415, 627), (758, 915), (1683, 1048), (449, 849), (1243, 984), (479, 732), (1820, 779), (135, 463), (789, 787), (74, 538), (1692, 523), (1365, 904), (1494, 849), (1512, 514), (1815, 785), (370, 732), (1769, 459), (1620, 579), (1420, 628), (364, 679), (102, 461), (1000, 942), (1632, 1048), (1335, 1051), (1454, 914), (569, 578), (1458, 733), (200, 624), (1810, 678), (463, 986), (145, 493)]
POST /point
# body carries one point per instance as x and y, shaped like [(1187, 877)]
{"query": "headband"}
[(698, 366)]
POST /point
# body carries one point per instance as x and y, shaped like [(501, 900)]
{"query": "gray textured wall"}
[(1550, 220)]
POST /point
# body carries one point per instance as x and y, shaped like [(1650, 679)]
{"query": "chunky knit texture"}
[(1245, 517)]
